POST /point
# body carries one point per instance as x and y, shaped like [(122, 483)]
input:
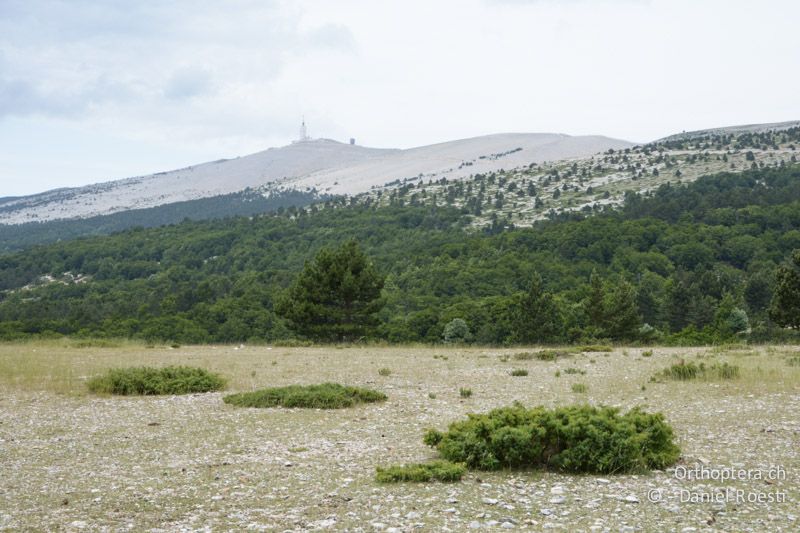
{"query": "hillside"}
[(676, 262), (516, 179), (322, 165), (191, 183), (522, 195)]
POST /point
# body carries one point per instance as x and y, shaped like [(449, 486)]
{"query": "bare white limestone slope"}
[(326, 165), (458, 159)]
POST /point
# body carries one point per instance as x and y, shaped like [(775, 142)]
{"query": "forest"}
[(684, 264)]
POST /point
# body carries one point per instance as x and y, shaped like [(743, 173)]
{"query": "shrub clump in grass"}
[(519, 372), (464, 393), (577, 439), (146, 381), (574, 371), (682, 371), (793, 361), (579, 388), (322, 396), (551, 355), (597, 348), (435, 471), (385, 372), (689, 371)]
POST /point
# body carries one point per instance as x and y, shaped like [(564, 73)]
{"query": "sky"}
[(95, 90)]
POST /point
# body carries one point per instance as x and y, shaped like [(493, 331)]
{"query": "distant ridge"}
[(745, 128), (321, 166)]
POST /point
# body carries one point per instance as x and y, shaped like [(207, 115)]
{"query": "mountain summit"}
[(323, 165)]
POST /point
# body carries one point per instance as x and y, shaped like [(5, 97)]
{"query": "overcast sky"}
[(93, 90)]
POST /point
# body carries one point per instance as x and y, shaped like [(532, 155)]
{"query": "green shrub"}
[(456, 331), (464, 393), (322, 396), (574, 371), (519, 372), (385, 372), (579, 388), (569, 439), (688, 371), (95, 343), (682, 371), (551, 355), (436, 471), (596, 348), (724, 371), (647, 353), (292, 343), (793, 361), (153, 381)]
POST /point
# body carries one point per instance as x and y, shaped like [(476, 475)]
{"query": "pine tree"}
[(621, 320), (785, 307), (537, 319), (335, 297), (595, 305)]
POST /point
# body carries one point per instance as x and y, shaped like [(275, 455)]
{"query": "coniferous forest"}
[(696, 263)]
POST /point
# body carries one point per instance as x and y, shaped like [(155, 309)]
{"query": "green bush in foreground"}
[(568, 439), (519, 372), (435, 471), (146, 381), (323, 396)]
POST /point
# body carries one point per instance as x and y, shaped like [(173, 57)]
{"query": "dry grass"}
[(192, 461)]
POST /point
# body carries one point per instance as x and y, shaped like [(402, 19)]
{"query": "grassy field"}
[(72, 460)]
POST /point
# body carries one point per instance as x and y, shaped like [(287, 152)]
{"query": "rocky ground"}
[(72, 461)]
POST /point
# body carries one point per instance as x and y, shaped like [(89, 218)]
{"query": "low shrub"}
[(293, 343), (385, 372), (688, 371), (682, 371), (574, 371), (322, 396), (436, 471), (579, 388), (147, 381), (647, 353), (464, 393), (95, 343), (793, 361), (552, 355), (568, 439), (724, 371), (519, 372), (596, 348)]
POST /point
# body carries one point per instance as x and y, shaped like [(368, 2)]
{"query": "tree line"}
[(691, 263)]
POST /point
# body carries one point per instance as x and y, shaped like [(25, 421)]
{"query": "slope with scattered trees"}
[(686, 263)]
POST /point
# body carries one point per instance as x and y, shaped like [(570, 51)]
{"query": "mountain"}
[(323, 165), (693, 263), (733, 130), (497, 181)]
